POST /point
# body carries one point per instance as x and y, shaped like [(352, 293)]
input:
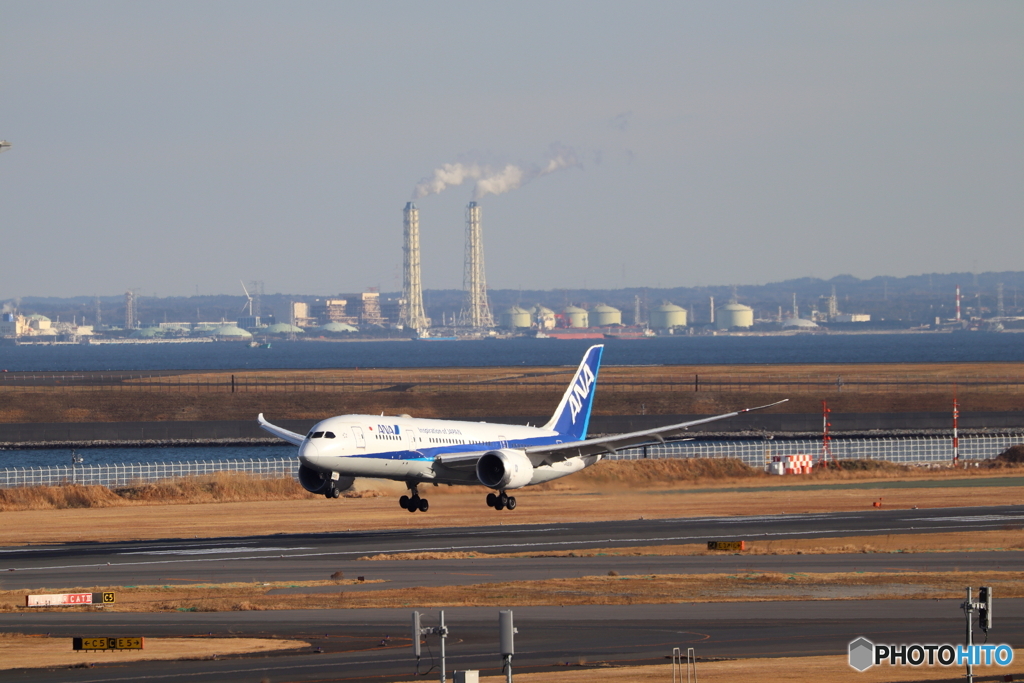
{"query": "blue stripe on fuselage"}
[(434, 451)]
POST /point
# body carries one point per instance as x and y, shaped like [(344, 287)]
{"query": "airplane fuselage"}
[(407, 449)]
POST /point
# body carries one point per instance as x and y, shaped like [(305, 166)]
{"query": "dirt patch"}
[(19, 651)]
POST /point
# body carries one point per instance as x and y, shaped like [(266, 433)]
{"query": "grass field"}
[(487, 392)]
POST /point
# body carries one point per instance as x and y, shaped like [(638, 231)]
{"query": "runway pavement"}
[(549, 637), (300, 557)]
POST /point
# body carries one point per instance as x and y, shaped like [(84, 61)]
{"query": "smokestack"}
[(711, 305), (413, 317), (477, 312), (958, 303)]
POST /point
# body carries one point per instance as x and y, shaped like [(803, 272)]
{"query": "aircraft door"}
[(357, 433)]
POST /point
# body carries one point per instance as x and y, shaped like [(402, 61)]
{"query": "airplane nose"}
[(308, 453)]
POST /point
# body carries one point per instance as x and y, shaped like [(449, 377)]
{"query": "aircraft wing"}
[(545, 455), (280, 432), (541, 455)]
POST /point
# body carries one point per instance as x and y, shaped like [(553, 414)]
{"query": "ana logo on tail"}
[(580, 391)]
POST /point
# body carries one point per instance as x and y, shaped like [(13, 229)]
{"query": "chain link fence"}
[(903, 450), (124, 475), (753, 452)]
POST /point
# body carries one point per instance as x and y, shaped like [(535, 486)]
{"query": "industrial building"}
[(353, 309), (515, 318), (603, 315), (576, 317), (667, 316), (543, 318), (734, 315)]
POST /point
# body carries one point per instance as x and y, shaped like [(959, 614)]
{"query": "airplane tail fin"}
[(572, 417)]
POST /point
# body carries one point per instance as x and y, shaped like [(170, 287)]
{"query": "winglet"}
[(572, 418), (280, 432)]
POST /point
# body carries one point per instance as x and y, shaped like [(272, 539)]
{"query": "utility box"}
[(467, 677), (506, 632)]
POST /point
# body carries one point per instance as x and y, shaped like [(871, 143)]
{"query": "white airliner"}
[(501, 457)]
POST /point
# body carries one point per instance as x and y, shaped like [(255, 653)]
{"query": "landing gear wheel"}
[(335, 493), (403, 502), (414, 504), (499, 504), (510, 503), (491, 500), (424, 505)]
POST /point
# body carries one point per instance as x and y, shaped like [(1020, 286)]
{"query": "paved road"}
[(300, 557), (548, 637)]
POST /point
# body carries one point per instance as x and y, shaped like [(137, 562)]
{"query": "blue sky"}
[(179, 147)]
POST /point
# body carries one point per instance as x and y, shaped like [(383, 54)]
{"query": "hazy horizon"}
[(177, 148)]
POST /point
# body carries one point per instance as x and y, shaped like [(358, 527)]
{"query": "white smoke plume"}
[(493, 179)]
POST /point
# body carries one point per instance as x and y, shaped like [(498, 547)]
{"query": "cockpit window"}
[(328, 435), (317, 435)]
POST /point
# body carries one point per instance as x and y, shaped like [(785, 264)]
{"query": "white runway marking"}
[(208, 551)]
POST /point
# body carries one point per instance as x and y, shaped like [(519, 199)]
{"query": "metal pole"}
[(968, 610), (443, 632)]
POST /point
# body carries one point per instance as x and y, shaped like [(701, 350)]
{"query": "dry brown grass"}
[(221, 487), (608, 589), (486, 392), (978, 541), (608, 475), (37, 651)]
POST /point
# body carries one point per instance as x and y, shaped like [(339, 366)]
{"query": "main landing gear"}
[(332, 492), (501, 501), (414, 503)]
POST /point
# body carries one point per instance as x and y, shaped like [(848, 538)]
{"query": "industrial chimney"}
[(413, 316), (477, 312)]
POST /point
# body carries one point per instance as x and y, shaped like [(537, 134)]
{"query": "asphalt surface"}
[(373, 645), (304, 557), (550, 637)]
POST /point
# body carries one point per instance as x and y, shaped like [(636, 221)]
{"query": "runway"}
[(549, 636), (299, 557)]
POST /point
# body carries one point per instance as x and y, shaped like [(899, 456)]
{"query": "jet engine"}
[(504, 469), (315, 481)]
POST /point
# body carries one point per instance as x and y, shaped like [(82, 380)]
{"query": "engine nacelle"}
[(315, 481), (504, 469)]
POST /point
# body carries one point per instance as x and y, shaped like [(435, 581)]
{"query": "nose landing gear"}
[(414, 503), (501, 501)]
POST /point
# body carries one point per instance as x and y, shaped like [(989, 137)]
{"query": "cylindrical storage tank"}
[(667, 316), (734, 315), (576, 317), (542, 317), (602, 316), (515, 317)]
